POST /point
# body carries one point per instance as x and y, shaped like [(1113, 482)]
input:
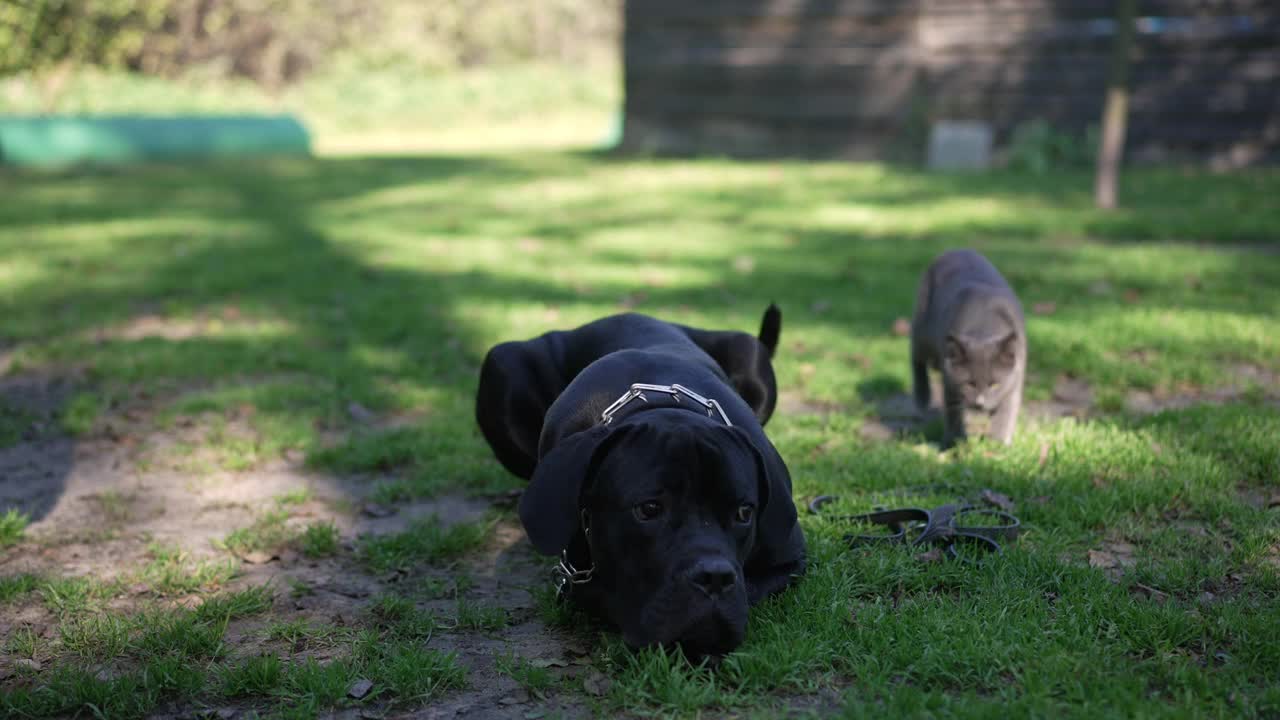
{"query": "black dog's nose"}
[(713, 575)]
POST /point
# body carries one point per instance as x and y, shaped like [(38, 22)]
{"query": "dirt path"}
[(102, 501)]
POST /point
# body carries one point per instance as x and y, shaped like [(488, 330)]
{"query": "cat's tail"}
[(770, 328)]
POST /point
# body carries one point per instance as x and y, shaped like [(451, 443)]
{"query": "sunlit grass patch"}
[(269, 531), (13, 524), (75, 595), (171, 571), (13, 587), (319, 539)]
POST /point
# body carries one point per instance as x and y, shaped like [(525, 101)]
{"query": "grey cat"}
[(968, 324)]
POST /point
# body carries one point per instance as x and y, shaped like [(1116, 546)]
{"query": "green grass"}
[(14, 423), (13, 525), (531, 677), (119, 665), (171, 571), (13, 587), (319, 285), (319, 540), (480, 616), (427, 540), (268, 531)]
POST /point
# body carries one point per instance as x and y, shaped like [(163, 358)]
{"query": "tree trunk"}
[(1115, 114)]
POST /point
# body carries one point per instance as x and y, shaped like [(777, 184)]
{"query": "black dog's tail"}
[(771, 328)]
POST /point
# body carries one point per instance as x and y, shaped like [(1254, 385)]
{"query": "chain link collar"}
[(675, 391)]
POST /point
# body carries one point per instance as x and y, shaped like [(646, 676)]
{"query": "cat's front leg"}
[(953, 414), (1005, 418), (920, 378)]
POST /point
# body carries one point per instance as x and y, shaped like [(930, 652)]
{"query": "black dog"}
[(671, 502)]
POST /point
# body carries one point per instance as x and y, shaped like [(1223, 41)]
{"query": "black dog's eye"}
[(745, 513), (647, 510)]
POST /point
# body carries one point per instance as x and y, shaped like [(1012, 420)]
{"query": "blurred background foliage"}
[(363, 74), (276, 42)]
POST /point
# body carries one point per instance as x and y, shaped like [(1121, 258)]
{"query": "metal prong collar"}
[(638, 390)]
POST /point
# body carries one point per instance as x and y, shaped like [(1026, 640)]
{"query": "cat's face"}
[(982, 369)]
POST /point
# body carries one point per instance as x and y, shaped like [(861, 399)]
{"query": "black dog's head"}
[(687, 523)]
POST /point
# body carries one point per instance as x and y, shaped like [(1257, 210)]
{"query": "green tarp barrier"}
[(61, 140)]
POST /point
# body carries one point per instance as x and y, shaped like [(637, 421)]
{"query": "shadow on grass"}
[(383, 280)]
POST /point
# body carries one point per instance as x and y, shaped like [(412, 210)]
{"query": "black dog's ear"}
[(549, 507), (779, 551)]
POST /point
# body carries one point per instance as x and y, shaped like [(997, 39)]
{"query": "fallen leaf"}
[(902, 327), (807, 369), (597, 683), (820, 306), (360, 688), (744, 264), (257, 557), (1044, 308), (549, 662), (999, 500), (529, 244), (29, 664), (1206, 597), (1132, 296)]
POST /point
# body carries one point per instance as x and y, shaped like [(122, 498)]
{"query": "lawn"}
[(238, 413)]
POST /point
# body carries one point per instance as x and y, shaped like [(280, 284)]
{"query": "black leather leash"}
[(944, 526)]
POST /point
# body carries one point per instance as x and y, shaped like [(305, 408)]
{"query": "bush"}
[(274, 42), (1038, 148)]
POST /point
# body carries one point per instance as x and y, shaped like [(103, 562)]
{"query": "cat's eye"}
[(647, 510), (745, 514)]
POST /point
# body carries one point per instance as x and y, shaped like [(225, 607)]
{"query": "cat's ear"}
[(956, 352), (1008, 349)]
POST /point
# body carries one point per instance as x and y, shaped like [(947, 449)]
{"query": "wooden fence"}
[(863, 78)]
